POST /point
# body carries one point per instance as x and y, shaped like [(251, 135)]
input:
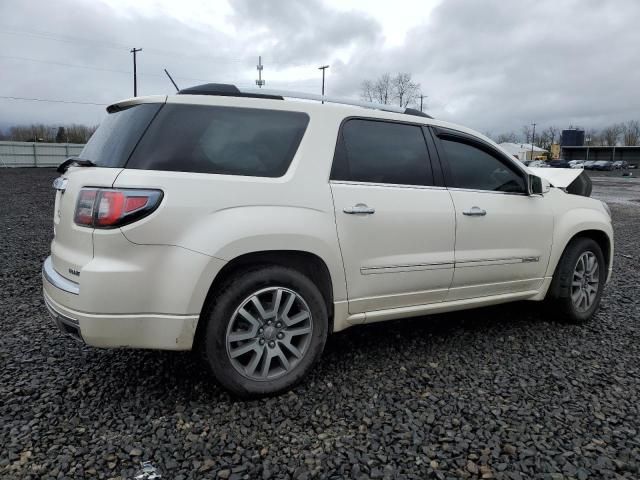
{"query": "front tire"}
[(265, 330), (578, 282)]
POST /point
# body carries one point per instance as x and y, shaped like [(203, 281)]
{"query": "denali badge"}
[(60, 184), (74, 272)]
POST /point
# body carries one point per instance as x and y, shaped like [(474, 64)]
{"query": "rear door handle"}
[(475, 212), (359, 208)]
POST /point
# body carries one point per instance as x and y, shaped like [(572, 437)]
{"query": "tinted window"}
[(476, 169), (225, 140), (112, 143), (382, 152)]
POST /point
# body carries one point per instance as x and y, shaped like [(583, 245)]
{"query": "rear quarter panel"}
[(225, 216)]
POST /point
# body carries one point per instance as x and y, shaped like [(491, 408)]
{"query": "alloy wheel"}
[(585, 281), (269, 333)]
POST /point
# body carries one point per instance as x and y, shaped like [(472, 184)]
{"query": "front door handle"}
[(359, 208), (475, 212)]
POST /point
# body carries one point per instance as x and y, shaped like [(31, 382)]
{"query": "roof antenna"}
[(174, 83)]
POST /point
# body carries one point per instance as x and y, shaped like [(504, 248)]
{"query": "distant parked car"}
[(603, 165), (537, 164), (559, 164), (576, 163), (618, 164), (588, 165)]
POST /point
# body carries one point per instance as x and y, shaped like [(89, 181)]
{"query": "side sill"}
[(440, 307)]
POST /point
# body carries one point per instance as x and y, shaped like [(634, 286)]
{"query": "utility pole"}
[(323, 68), (533, 138), (259, 67), (421, 98), (135, 76)]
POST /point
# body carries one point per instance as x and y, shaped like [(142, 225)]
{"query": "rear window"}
[(223, 140), (114, 140)]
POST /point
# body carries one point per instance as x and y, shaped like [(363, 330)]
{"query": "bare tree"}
[(387, 88), (404, 89), (592, 137), (526, 133), (611, 134), (631, 133), (543, 140), (509, 137), (552, 134), (383, 89), (48, 133), (367, 91)]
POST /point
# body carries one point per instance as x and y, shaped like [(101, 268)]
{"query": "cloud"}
[(492, 65)]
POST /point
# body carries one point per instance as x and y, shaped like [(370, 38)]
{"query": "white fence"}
[(36, 154)]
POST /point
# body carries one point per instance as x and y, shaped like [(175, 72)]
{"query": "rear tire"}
[(265, 330), (578, 282)]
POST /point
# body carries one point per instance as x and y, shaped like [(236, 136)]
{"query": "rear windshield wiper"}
[(74, 161)]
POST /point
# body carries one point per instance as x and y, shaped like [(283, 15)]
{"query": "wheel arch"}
[(600, 236), (307, 263)]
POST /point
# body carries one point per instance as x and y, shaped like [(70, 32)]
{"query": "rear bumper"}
[(68, 326), (163, 332), (141, 297)]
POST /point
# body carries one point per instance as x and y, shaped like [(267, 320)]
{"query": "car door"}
[(503, 234), (395, 223)]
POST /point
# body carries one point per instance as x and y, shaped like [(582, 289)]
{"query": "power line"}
[(106, 44), (49, 62), (50, 100), (87, 67)]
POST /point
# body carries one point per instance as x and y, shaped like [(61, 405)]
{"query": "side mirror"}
[(538, 186)]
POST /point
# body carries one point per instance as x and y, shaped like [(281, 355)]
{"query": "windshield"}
[(114, 140)]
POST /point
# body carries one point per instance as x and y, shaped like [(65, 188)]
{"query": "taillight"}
[(110, 208)]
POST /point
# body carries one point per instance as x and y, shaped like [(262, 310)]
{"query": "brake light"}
[(110, 208)]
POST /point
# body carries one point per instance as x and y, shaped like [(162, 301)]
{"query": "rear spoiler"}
[(130, 102)]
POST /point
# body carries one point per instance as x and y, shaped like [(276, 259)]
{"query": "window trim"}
[(340, 148), (441, 133)]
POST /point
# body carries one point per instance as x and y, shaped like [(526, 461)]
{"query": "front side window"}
[(223, 140), (475, 169), (382, 152)]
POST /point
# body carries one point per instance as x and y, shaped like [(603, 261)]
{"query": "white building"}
[(522, 151)]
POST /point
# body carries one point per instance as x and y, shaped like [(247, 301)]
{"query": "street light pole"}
[(323, 68)]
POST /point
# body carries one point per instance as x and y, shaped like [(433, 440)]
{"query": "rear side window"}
[(223, 140), (114, 140), (474, 169), (382, 152)]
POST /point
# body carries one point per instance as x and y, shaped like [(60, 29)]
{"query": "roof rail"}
[(227, 90)]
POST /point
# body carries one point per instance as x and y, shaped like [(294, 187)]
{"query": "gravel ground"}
[(495, 393)]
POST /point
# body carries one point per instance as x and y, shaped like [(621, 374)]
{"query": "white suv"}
[(249, 226)]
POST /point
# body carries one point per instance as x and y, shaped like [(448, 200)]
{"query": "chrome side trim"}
[(389, 185), (457, 189), (57, 280), (443, 265), (496, 261), (405, 268)]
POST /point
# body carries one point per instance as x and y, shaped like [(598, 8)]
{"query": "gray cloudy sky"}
[(493, 65)]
